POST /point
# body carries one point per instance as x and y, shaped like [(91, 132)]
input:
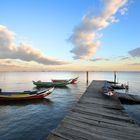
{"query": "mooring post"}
[(114, 77), (87, 77)]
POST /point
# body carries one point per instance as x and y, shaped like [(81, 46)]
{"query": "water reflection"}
[(133, 111), (27, 102)]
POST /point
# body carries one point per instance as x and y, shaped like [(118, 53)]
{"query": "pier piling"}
[(87, 77)]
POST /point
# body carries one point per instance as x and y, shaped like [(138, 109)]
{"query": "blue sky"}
[(124, 36), (47, 25)]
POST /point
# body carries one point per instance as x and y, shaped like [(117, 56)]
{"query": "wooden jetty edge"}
[(96, 117)]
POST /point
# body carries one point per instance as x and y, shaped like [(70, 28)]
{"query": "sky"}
[(69, 35)]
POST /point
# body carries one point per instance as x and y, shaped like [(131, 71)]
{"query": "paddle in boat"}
[(6, 96), (51, 84), (72, 81)]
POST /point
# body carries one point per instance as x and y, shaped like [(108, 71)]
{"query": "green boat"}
[(50, 84)]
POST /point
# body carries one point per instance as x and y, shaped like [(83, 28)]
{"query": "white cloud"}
[(124, 58), (99, 59), (135, 64), (123, 11), (8, 49), (85, 37)]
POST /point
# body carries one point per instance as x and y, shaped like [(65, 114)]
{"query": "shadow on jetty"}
[(128, 98), (27, 102), (129, 101)]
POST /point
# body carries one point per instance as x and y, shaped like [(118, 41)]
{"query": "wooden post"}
[(87, 77), (114, 77)]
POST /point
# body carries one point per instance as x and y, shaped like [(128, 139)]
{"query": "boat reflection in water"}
[(43, 101)]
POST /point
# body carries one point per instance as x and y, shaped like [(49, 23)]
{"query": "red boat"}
[(72, 81), (38, 95)]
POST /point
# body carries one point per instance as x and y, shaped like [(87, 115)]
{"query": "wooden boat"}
[(111, 82), (119, 86), (23, 92), (72, 81), (38, 95), (50, 84)]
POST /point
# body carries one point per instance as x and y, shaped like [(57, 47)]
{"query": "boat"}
[(19, 92), (50, 84), (116, 85), (119, 87), (72, 81), (111, 82), (18, 96)]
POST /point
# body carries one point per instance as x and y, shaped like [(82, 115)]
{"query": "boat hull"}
[(117, 87), (18, 97), (71, 81), (16, 93), (50, 84)]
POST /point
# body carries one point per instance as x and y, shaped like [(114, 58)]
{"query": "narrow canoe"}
[(50, 84), (118, 86), (40, 94), (72, 81), (23, 92)]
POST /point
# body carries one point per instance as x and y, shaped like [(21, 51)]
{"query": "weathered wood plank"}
[(100, 119), (102, 109), (101, 124), (53, 136), (96, 117), (103, 114), (95, 132), (78, 133)]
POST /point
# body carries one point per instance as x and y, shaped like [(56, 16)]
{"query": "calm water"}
[(33, 120)]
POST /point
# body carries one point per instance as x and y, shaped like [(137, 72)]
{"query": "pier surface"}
[(96, 117)]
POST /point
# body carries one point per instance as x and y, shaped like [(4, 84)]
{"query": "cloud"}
[(124, 58), (99, 59), (135, 64), (135, 52), (123, 11), (85, 37), (8, 49)]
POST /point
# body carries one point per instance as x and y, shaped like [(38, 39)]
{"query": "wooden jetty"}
[(96, 117)]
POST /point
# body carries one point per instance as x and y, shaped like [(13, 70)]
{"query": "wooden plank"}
[(53, 136), (100, 124), (103, 114), (96, 117), (77, 133), (102, 109), (100, 119), (95, 132)]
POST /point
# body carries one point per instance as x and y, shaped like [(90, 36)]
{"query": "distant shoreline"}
[(68, 71)]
